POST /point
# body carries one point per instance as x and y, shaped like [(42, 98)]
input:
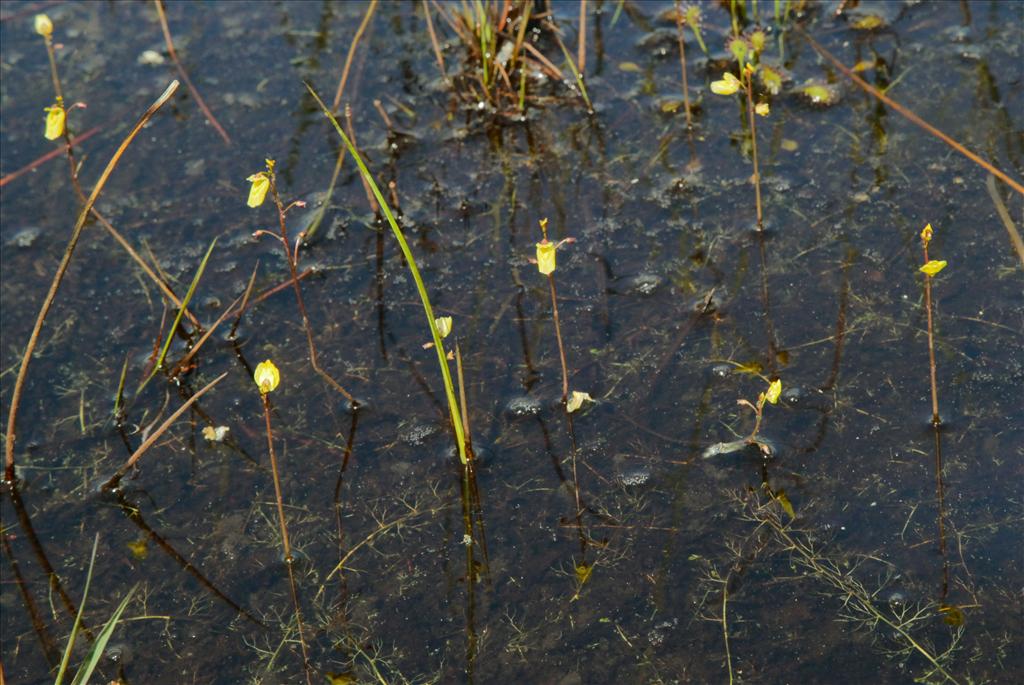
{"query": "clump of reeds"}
[(500, 58)]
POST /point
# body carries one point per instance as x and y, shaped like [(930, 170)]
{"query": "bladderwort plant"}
[(930, 268), (771, 396), (268, 377), (265, 181), (747, 51), (454, 411)]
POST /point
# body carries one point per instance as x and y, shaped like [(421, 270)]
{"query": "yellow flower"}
[(444, 326), (55, 118), (926, 235), (729, 85), (546, 257), (266, 376), (762, 108), (43, 25), (774, 390), (934, 266), (258, 191)]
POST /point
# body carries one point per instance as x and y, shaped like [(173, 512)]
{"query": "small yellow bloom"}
[(444, 326), (266, 376), (729, 85), (774, 390), (546, 257), (762, 108), (926, 235), (934, 266), (258, 191), (55, 118), (43, 25)]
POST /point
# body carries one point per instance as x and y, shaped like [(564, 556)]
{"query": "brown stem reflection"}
[(38, 624), (134, 514), (44, 563), (774, 353), (339, 482)]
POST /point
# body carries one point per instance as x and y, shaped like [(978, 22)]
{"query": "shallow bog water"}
[(867, 547)]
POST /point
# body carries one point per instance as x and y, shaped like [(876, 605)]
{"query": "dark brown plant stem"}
[(682, 64), (434, 43), (50, 651), (155, 435), (288, 560), (351, 53), (290, 257), (51, 295), (931, 341), (558, 335), (133, 512), (48, 156), (748, 82), (909, 115), (184, 74)]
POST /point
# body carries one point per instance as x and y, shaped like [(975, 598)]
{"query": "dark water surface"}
[(671, 304)]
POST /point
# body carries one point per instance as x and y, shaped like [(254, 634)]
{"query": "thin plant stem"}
[(434, 43), (909, 115), (581, 48), (682, 64), (155, 435), (558, 335), (290, 257), (351, 54), (931, 342), (288, 560), (725, 627), (184, 74), (36, 163), (748, 82), (428, 310), (51, 295), (1004, 216)]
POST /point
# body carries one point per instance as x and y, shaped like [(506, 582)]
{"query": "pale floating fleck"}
[(151, 58), (576, 400), (25, 237), (635, 476), (861, 196), (216, 433), (523, 406), (417, 433), (790, 145)]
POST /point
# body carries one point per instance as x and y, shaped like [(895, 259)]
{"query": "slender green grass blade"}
[(177, 319), (78, 618), (442, 360), (92, 659)]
